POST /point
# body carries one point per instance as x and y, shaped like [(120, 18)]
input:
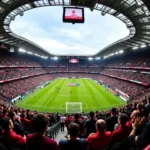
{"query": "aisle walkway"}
[(61, 135)]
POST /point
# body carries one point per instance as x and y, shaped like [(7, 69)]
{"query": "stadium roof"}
[(134, 13)]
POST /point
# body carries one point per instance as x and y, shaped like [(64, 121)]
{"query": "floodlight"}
[(90, 58), (135, 48), (22, 50), (97, 58), (143, 46), (29, 52), (55, 58), (121, 51)]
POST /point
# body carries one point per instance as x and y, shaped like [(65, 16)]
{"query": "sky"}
[(44, 26)]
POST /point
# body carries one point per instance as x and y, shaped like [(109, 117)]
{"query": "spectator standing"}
[(112, 120), (10, 137), (62, 121), (101, 138), (18, 127), (68, 121), (90, 125), (123, 131), (38, 140), (147, 106), (73, 142), (80, 123)]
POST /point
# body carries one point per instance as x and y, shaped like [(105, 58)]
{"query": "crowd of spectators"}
[(128, 74), (6, 74), (131, 61), (124, 128), (17, 61), (11, 90)]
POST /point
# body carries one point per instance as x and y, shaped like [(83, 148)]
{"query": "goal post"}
[(73, 107)]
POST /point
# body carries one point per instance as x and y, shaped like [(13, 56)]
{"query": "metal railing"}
[(54, 130)]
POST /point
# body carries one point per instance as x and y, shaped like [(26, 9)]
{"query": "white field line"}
[(24, 102), (48, 101), (73, 95), (44, 107), (65, 108), (98, 101), (61, 105)]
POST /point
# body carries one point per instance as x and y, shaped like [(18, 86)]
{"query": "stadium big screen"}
[(73, 61), (73, 15)]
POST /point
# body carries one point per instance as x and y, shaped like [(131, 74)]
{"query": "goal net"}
[(73, 107)]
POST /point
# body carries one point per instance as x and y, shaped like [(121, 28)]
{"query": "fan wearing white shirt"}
[(62, 121)]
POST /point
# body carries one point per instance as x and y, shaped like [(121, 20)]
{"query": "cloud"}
[(44, 26)]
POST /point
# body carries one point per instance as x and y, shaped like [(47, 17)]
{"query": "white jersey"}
[(62, 119)]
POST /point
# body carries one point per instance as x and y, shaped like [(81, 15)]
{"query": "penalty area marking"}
[(82, 105)]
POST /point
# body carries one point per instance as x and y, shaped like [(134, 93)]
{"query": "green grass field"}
[(92, 96)]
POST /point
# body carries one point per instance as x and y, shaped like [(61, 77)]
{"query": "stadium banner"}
[(122, 93), (15, 99), (123, 98), (13, 66), (114, 92), (124, 67)]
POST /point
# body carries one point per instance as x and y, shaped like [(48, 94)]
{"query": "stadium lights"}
[(139, 2), (116, 53), (90, 58), (135, 48), (147, 13), (55, 58), (106, 57), (97, 58), (37, 55), (30, 53), (143, 46), (121, 51), (112, 54), (22, 50)]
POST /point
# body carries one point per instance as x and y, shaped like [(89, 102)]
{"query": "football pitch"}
[(88, 93)]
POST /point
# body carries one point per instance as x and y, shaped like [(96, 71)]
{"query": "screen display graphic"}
[(73, 15), (74, 61)]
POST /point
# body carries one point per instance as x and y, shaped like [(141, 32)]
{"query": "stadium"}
[(82, 67)]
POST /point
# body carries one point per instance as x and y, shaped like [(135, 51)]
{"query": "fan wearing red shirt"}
[(26, 123), (68, 121), (123, 130), (101, 138), (10, 137), (38, 140)]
